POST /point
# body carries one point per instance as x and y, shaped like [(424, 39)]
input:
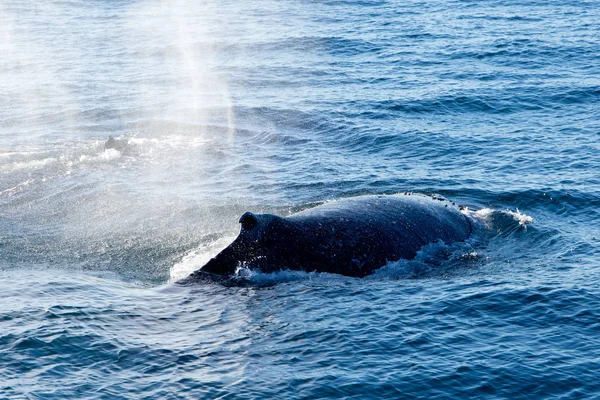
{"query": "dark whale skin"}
[(351, 237)]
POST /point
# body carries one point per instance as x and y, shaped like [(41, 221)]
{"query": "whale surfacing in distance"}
[(351, 237)]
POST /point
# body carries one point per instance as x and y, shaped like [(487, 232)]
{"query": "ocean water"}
[(277, 106)]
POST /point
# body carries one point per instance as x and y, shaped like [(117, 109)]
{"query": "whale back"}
[(349, 237), (362, 234)]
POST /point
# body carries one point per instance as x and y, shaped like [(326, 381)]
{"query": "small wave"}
[(28, 165), (505, 101), (21, 186), (571, 201), (58, 159), (493, 218), (106, 156), (435, 260), (251, 277), (318, 44), (171, 141)]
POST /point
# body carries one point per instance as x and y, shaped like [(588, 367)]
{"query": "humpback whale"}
[(351, 237)]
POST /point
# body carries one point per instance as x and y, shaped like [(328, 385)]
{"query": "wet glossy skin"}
[(350, 237)]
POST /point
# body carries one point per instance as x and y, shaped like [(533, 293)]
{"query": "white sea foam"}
[(17, 188), (486, 216), (196, 258), (27, 165), (523, 219), (170, 141), (140, 141), (257, 277), (106, 156)]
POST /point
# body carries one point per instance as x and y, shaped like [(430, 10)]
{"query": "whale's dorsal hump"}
[(256, 222), (248, 220)]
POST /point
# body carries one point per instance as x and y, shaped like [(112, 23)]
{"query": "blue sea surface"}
[(277, 106)]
